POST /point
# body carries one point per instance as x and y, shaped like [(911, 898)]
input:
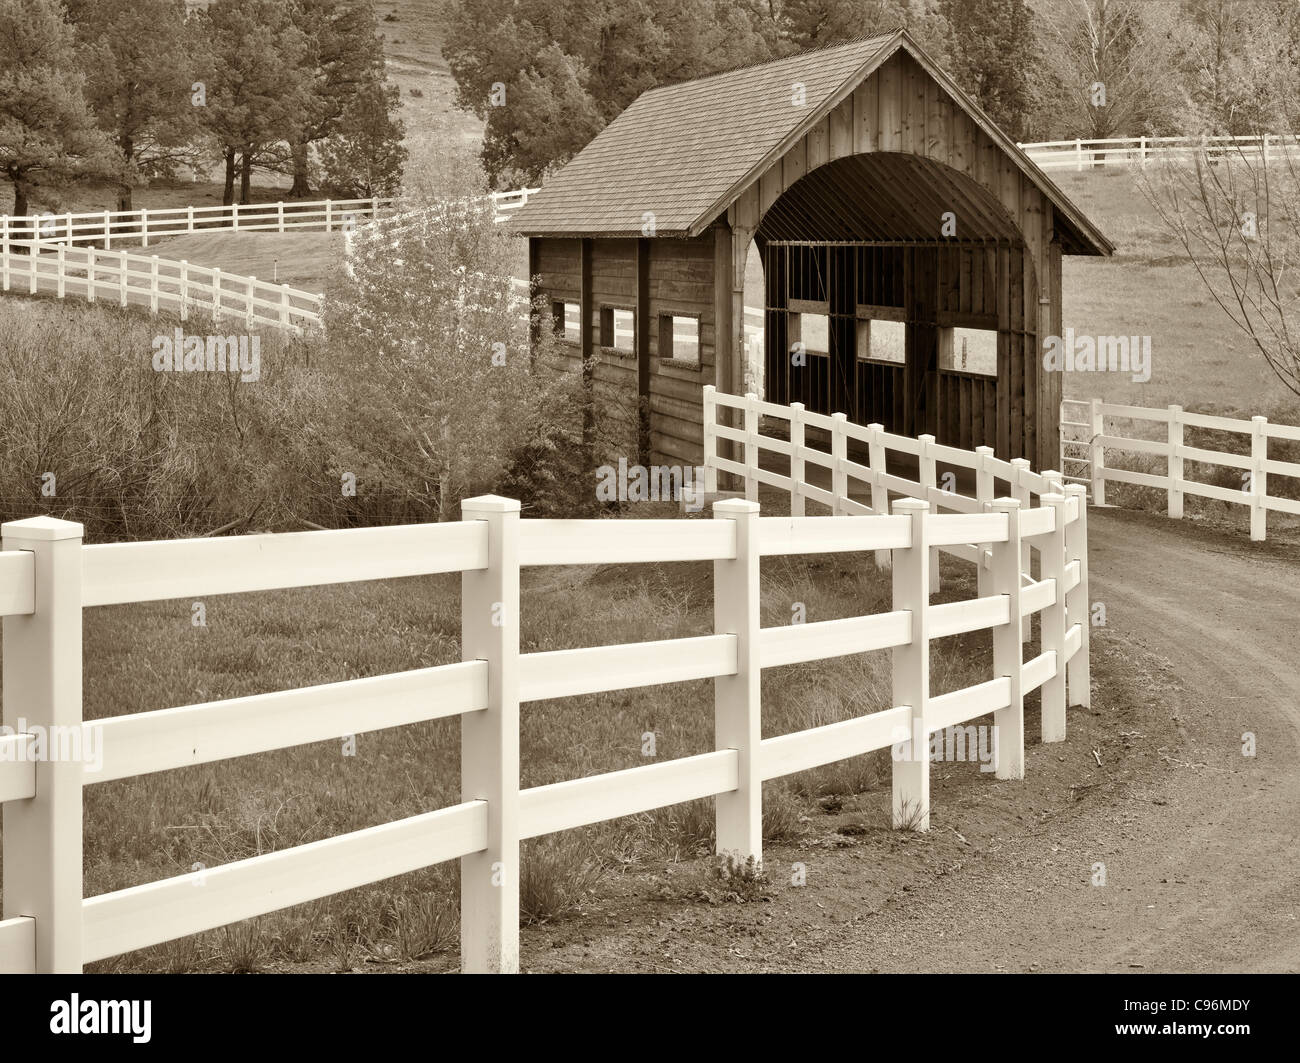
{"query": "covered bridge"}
[(911, 253)]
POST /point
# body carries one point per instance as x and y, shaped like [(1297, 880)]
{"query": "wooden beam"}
[(587, 307), (641, 344)]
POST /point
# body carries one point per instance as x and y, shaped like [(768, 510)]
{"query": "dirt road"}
[(1198, 842)]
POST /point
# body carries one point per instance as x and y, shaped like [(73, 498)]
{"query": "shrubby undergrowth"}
[(422, 391)]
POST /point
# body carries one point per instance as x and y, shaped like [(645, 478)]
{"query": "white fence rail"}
[(48, 578), (1085, 442), (34, 267), (1082, 155), (103, 227)]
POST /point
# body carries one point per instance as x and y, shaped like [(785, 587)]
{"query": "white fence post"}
[(90, 273), (33, 263), (61, 261), (234, 217), (929, 484), (737, 706), (879, 493), (839, 454), (67, 219), (1097, 455), (216, 294), (285, 319), (108, 231), (1258, 478), (1175, 461), (144, 226), (911, 671), (1143, 146), (796, 459), (329, 216), (751, 446), (489, 756), (984, 491), (153, 283), (189, 218), (1008, 655), (1020, 491), (122, 267), (4, 252), (710, 439), (42, 685), (1052, 619), (1078, 606), (279, 215), (1078, 153), (250, 294), (185, 288)]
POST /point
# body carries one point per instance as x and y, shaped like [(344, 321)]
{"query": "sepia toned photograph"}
[(726, 487)]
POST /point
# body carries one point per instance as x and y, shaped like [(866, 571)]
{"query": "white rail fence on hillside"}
[(1084, 443), (158, 283), (103, 227), (1082, 155), (48, 578)]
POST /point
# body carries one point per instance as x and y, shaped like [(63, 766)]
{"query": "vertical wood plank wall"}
[(678, 279)]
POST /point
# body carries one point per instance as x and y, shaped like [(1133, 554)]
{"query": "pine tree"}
[(47, 131)]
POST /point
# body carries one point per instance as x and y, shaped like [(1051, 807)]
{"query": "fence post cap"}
[(797, 406), (734, 507), (1020, 463), (490, 504), (1004, 504), (1260, 419), (42, 529), (839, 417), (925, 437), (710, 387), (910, 505), (876, 426)]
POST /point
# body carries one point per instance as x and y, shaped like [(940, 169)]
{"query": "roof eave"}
[(709, 216), (1090, 238)]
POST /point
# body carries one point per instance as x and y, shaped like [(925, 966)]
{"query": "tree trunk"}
[(228, 193), (301, 187), (245, 176), (20, 196), (127, 146)]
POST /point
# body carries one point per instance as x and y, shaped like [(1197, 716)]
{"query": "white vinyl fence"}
[(102, 227), (1082, 155), (48, 578), (1086, 436), (158, 283)]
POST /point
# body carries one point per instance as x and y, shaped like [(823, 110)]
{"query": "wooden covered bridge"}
[(911, 253)]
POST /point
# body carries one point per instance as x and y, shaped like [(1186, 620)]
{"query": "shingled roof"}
[(687, 151)]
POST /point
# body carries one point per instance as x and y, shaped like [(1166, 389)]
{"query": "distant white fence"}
[(1084, 443), (1082, 155), (34, 267), (48, 578), (328, 215)]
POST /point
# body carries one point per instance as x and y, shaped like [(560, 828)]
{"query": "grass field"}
[(310, 261)]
